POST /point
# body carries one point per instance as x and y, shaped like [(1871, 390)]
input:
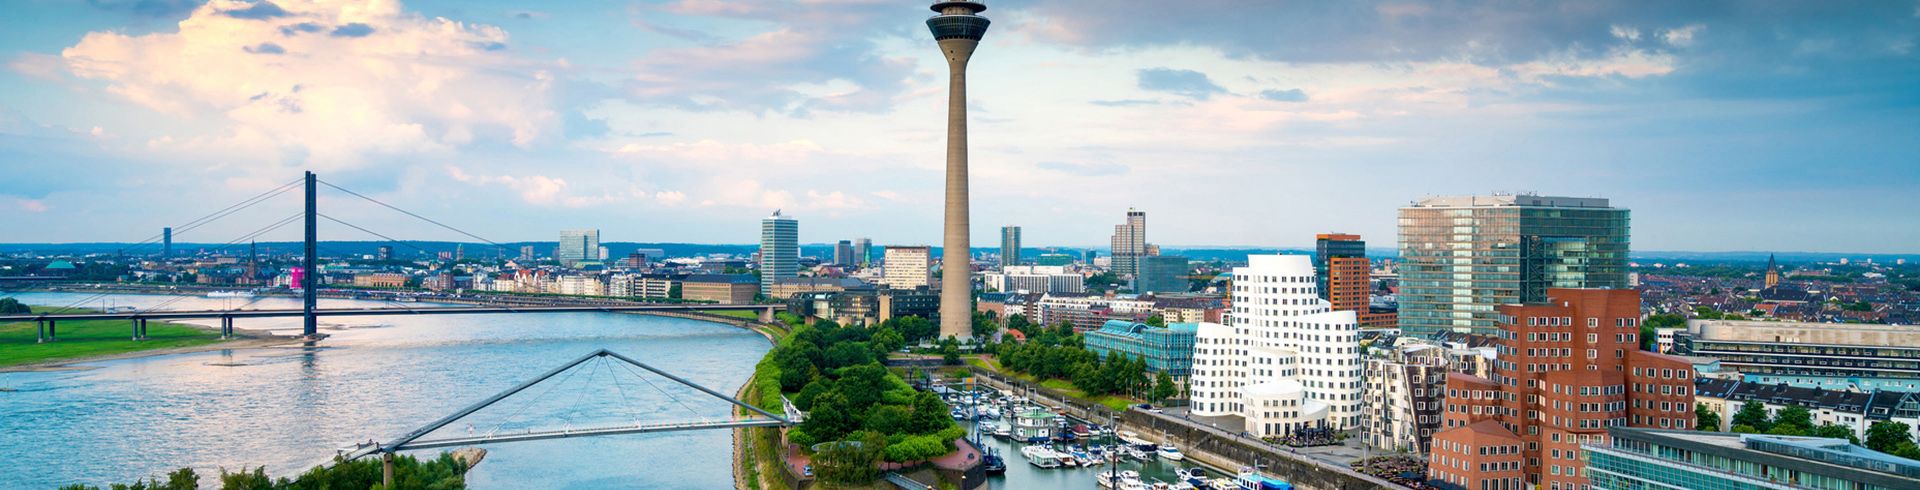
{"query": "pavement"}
[(1341, 455)]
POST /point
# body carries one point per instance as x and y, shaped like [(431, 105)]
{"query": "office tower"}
[(385, 253), (577, 245), (526, 253), (1009, 246), (1340, 262), (1129, 244), (1162, 274), (166, 242), (958, 29), (1569, 368), (1462, 256), (863, 251), (459, 252), (1287, 362), (779, 250), (908, 268), (1773, 273), (843, 253)]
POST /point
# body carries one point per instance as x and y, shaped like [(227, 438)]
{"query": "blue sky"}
[(1723, 125)]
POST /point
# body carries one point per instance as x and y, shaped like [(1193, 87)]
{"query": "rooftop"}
[(1510, 200)]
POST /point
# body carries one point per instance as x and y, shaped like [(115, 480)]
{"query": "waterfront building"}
[(730, 289), (1404, 393), (862, 251), (1034, 278), (779, 250), (908, 267), (957, 28), (577, 245), (1166, 349), (647, 286), (1569, 367), (1857, 411), (843, 253), (1128, 245), (580, 285), (380, 280), (1635, 458), (1162, 274), (1463, 256), (1009, 246), (1286, 361), (788, 287), (1825, 355)]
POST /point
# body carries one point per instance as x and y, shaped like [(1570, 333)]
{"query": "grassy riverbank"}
[(83, 339), (1064, 387)]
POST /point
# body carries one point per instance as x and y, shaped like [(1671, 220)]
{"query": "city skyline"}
[(1721, 125)]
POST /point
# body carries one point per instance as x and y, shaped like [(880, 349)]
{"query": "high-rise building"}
[(385, 253), (166, 242), (863, 251), (843, 253), (577, 245), (1463, 256), (1162, 274), (1340, 261), (779, 250), (909, 268), (1009, 245), (957, 28), (1287, 361), (1129, 244), (1568, 368), (526, 253)]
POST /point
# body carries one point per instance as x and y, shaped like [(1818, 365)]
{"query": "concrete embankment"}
[(1203, 444)]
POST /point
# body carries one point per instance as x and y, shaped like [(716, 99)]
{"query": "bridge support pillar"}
[(136, 328), (386, 470), (40, 327), (766, 315), (226, 327), (53, 330)]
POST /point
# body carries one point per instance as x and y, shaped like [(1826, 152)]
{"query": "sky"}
[(1723, 125)]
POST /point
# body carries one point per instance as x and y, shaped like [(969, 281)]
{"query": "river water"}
[(377, 378)]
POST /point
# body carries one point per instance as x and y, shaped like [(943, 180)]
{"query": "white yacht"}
[(1170, 453), (1041, 456)]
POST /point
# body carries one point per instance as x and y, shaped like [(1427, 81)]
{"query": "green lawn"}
[(747, 314), (94, 338), (1116, 402)]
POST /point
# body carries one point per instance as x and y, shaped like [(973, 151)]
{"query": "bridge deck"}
[(435, 310)]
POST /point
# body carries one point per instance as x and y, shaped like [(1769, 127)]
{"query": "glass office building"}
[(1653, 459), (779, 250), (577, 246), (1462, 256), (1162, 274), (1167, 349)]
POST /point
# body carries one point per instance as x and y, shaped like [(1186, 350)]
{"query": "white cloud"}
[(30, 205), (1627, 33), (345, 81), (1682, 36), (542, 190)]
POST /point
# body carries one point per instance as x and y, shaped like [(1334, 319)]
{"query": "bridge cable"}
[(626, 401), (676, 400), (196, 223), (523, 407), (410, 213)]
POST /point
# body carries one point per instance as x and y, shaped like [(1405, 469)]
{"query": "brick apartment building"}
[(1568, 369)]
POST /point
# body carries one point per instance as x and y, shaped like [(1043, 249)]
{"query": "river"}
[(374, 379)]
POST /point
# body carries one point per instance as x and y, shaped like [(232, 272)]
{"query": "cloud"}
[(1682, 36), (1124, 102), (708, 150), (262, 10), (147, 8), (541, 190), (30, 205), (425, 89), (1085, 169), (815, 56), (1288, 95), (266, 48), (670, 198), (1185, 83), (355, 29)]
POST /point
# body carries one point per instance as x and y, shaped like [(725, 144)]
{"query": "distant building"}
[(720, 288), (526, 253), (779, 250), (1463, 256), (1773, 273), (577, 245), (1824, 355), (646, 286), (1009, 246), (1054, 259), (843, 253), (1162, 274), (1129, 244), (1340, 262), (908, 267), (380, 280), (1857, 411), (1405, 392), (863, 251), (580, 285), (1166, 349), (788, 287), (1632, 458), (634, 260), (385, 253), (1034, 278)]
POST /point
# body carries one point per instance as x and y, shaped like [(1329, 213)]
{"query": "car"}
[(807, 471)]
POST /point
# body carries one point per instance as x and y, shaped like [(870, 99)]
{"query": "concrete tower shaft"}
[(958, 30)]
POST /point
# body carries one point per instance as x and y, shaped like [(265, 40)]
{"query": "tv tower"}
[(958, 28)]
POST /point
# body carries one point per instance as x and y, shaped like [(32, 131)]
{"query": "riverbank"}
[(87, 341)]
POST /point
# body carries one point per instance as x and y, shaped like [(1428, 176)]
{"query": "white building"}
[(908, 267), (1035, 278), (639, 286), (580, 285), (1286, 361), (1403, 395)]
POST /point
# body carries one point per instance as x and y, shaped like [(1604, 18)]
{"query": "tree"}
[(1885, 436), (10, 306), (1792, 420), (1163, 387), (949, 351), (1753, 415), (1705, 419), (1157, 320), (1831, 431), (984, 326)]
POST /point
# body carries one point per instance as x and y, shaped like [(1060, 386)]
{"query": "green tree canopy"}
[(1705, 419), (1753, 414)]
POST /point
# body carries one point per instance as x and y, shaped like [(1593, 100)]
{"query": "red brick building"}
[(1568, 369)]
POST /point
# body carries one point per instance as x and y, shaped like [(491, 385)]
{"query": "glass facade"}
[(1168, 349), (1462, 256), (1162, 274), (1009, 245), (1648, 460), (576, 246), (779, 250)]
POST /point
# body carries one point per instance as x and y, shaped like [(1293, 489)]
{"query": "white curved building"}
[(1285, 360)]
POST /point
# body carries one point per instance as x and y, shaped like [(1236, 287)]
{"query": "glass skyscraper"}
[(779, 250), (1462, 256), (1009, 245), (576, 246)]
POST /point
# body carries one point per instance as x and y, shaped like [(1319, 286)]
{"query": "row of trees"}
[(858, 412), (10, 306), (442, 473), (1060, 353), (1885, 436)]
